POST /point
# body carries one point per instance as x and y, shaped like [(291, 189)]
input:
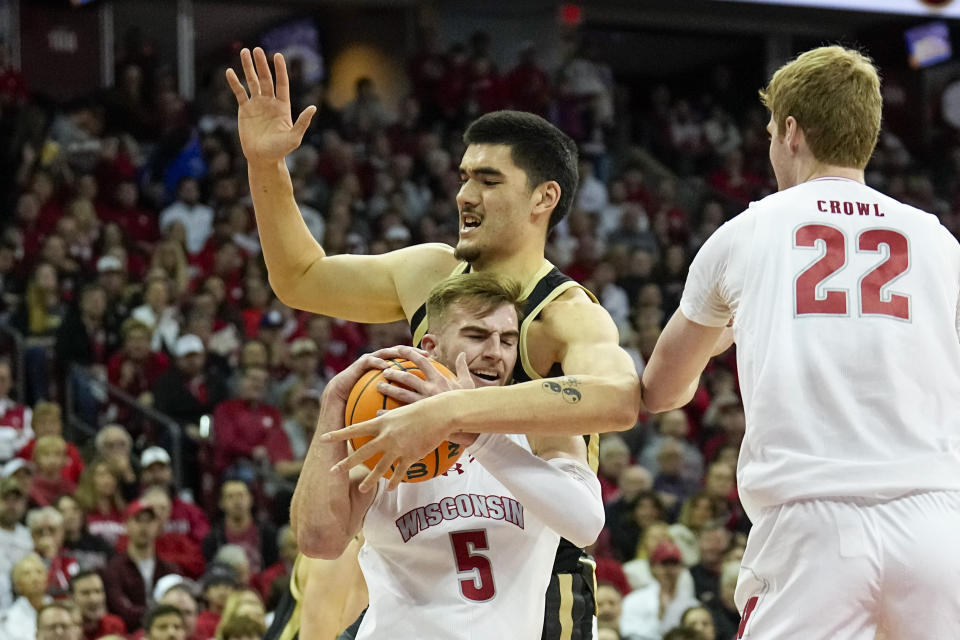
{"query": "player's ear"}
[(546, 196), (429, 344)]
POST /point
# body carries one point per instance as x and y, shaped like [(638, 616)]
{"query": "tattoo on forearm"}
[(566, 388)]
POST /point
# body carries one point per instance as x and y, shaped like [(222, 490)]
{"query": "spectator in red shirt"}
[(135, 368), (49, 483), (138, 223), (46, 422), (46, 529), (731, 420), (87, 591), (217, 585), (15, 428), (185, 517), (245, 428), (614, 458), (175, 548), (238, 527)]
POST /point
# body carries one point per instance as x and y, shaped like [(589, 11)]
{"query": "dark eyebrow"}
[(483, 171)]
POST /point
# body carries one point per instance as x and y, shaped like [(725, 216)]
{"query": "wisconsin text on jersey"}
[(849, 208), (462, 506)]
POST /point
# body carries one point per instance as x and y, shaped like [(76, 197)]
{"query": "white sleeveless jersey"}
[(455, 557), (846, 323)]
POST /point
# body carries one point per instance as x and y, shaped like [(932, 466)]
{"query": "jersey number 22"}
[(874, 300)]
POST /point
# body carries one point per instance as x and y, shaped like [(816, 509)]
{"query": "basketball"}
[(364, 402)]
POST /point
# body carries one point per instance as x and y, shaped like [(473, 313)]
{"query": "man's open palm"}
[(267, 131)]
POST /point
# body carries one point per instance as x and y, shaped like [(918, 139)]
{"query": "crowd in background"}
[(130, 264)]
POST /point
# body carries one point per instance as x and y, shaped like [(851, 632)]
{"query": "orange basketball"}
[(364, 402)]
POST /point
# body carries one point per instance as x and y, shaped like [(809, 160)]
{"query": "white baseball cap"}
[(109, 263), (187, 344), (152, 455), (13, 466)]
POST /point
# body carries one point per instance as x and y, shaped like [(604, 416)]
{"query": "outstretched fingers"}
[(250, 73), (263, 72), (283, 80), (235, 85)]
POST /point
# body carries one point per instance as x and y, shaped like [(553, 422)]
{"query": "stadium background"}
[(124, 197)]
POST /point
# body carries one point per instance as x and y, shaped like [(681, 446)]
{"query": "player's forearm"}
[(550, 489), (321, 511), (288, 247), (567, 405)]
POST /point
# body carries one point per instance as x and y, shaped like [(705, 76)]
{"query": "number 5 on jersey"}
[(478, 586), (810, 299)]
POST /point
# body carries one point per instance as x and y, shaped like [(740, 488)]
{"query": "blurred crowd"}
[(130, 265)]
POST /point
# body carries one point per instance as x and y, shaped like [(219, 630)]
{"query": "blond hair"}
[(834, 95), (479, 293), (46, 409), (49, 444)]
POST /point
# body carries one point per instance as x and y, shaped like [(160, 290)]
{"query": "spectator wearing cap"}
[(238, 527), (196, 217), (88, 593), (218, 583), (47, 422), (50, 459), (15, 419), (15, 540), (650, 611), (112, 276), (247, 429), (46, 529), (134, 368), (186, 392), (91, 551), (175, 548), (186, 518), (273, 332), (134, 573), (304, 365), (114, 445), (19, 620)]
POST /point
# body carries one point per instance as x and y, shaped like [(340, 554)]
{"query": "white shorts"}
[(836, 569)]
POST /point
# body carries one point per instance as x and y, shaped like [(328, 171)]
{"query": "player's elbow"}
[(326, 545), (626, 409), (589, 526)]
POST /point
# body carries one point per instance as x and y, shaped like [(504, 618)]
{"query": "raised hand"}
[(267, 131), (416, 388)]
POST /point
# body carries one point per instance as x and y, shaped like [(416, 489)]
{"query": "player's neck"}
[(521, 266), (813, 170)]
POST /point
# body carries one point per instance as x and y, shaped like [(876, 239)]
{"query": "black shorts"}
[(283, 617), (570, 603)]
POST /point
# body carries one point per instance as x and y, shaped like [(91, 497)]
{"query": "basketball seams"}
[(363, 400)]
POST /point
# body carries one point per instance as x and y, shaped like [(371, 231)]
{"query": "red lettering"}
[(848, 208), (863, 208), (822, 206), (876, 211), (834, 206)]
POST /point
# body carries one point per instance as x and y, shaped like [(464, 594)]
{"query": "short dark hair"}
[(158, 612), (83, 575), (537, 147)]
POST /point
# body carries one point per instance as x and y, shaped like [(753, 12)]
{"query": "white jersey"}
[(456, 557), (846, 323)]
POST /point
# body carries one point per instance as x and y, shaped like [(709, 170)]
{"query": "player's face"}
[(490, 343), (494, 202)]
